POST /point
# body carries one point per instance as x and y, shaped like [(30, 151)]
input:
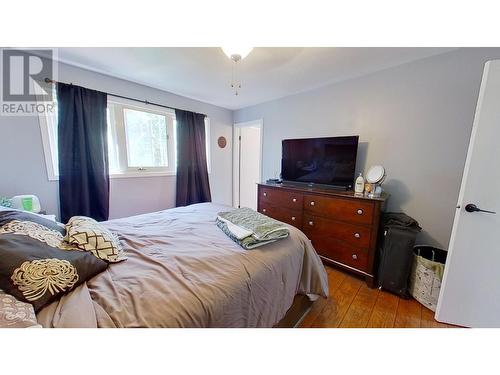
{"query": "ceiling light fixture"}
[(236, 54)]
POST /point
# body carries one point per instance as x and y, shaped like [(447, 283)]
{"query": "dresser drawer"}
[(355, 235), (281, 198), (291, 217), (351, 256), (353, 211)]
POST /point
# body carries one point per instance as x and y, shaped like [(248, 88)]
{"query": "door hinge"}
[(239, 138)]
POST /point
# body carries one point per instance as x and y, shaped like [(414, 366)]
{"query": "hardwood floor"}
[(352, 304)]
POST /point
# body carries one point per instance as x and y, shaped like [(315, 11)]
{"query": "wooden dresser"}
[(342, 227)]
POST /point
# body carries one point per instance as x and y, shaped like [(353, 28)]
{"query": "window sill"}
[(141, 174), (130, 175)]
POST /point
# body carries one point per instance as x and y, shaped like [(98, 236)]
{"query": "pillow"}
[(49, 217), (89, 235), (16, 314), (37, 266)]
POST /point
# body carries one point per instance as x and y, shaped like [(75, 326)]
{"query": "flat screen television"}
[(324, 161)]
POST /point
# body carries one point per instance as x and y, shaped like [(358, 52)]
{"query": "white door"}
[(247, 163), (470, 293)]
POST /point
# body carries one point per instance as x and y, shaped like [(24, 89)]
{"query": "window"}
[(48, 127), (141, 140), (146, 135)]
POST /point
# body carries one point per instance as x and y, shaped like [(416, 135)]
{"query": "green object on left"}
[(27, 204)]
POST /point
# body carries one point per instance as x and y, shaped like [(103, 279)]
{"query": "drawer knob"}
[(294, 200), (263, 210), (360, 212), (312, 203), (354, 256), (293, 218), (311, 223), (357, 235), (265, 194)]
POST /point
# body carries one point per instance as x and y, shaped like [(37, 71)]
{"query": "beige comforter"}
[(183, 271)]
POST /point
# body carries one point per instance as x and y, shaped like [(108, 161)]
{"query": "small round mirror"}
[(375, 174)]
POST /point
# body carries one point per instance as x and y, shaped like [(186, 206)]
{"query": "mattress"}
[(183, 271)]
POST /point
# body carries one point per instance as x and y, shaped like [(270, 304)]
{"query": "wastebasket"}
[(427, 274)]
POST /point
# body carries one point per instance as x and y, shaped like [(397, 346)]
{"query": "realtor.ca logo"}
[(26, 81)]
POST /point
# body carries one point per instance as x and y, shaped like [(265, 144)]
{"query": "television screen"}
[(330, 161)]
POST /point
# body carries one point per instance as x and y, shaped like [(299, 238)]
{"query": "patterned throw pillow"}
[(37, 266), (15, 313), (88, 235)]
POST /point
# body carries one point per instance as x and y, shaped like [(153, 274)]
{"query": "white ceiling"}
[(267, 73)]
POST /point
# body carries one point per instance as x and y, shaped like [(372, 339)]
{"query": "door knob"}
[(473, 208)]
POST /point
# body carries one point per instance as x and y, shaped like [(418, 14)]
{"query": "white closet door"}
[(470, 292)]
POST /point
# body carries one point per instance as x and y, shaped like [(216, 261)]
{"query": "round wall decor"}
[(222, 142)]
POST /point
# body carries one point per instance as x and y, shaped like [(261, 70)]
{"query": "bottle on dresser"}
[(359, 186)]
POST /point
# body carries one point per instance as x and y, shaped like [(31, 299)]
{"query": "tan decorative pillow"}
[(88, 235), (16, 314)]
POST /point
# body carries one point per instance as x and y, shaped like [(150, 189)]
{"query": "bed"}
[(183, 271)]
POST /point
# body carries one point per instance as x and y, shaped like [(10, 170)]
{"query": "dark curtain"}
[(192, 173), (83, 152)]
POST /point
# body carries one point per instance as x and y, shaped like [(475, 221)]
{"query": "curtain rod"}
[(48, 80)]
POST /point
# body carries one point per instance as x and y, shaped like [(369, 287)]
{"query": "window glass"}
[(146, 139)]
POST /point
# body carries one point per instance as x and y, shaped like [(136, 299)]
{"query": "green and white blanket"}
[(249, 228)]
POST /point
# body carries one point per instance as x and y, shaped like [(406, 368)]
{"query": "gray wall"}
[(415, 119), (23, 170)]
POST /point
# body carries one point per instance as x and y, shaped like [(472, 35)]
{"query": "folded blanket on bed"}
[(249, 228)]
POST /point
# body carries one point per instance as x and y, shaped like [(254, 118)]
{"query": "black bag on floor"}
[(395, 254)]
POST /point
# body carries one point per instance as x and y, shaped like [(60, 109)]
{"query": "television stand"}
[(341, 225)]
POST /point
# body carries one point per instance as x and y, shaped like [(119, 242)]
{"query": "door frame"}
[(236, 148)]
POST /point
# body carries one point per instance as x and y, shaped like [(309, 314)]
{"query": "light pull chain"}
[(237, 85), (235, 82), (232, 74)]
